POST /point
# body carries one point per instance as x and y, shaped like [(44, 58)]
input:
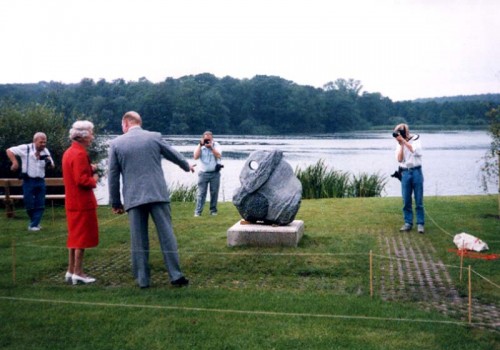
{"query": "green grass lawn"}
[(315, 296)]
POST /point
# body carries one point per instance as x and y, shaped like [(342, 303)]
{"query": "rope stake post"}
[(462, 253), (470, 296), (53, 214), (371, 274), (498, 153), (13, 261)]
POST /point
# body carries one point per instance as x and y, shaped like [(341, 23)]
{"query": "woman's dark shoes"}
[(181, 282)]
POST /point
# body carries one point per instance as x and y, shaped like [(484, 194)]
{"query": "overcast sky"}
[(402, 49)]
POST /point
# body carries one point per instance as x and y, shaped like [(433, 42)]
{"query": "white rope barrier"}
[(262, 254), (242, 312), (437, 225), (255, 254), (486, 279)]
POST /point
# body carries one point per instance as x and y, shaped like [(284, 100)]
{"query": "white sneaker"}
[(405, 228), (34, 228), (420, 228)]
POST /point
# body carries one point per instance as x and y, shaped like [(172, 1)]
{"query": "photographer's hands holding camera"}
[(401, 138), (46, 158), (208, 143)]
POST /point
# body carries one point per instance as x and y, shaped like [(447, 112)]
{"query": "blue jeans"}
[(34, 199), (204, 180), (413, 182)]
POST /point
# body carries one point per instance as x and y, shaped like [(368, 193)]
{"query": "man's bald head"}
[(130, 119)]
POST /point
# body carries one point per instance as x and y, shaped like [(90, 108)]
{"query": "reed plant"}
[(183, 193), (319, 181), (366, 185)]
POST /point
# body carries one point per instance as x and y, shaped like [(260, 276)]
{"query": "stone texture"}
[(265, 235), (270, 193)]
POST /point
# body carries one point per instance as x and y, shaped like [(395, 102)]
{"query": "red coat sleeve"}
[(82, 171)]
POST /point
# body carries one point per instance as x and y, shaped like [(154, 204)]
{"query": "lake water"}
[(451, 160)]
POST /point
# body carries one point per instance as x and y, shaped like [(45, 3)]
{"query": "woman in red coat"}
[(80, 179)]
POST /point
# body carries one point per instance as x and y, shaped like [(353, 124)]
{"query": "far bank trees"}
[(261, 105)]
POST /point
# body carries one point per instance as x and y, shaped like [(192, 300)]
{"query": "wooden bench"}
[(9, 198)]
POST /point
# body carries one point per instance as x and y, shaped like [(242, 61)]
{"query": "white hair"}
[(80, 129), (39, 135)]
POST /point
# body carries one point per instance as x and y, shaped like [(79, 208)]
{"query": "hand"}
[(191, 168), (14, 166), (400, 139), (118, 210), (205, 142), (96, 177), (94, 167)]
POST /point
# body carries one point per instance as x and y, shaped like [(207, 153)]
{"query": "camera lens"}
[(207, 142), (395, 134)]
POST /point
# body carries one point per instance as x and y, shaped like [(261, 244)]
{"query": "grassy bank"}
[(315, 296)]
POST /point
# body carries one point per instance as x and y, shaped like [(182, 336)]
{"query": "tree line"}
[(262, 105)]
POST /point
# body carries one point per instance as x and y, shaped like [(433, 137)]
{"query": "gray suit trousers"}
[(138, 219)]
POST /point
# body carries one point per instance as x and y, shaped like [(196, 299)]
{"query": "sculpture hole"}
[(254, 165)]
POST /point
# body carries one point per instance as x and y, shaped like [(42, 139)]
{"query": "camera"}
[(206, 142), (46, 158), (398, 174), (398, 132)]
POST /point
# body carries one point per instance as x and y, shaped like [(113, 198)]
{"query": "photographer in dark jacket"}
[(209, 153), (409, 156), (34, 158)]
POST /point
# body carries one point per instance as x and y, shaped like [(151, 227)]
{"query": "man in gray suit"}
[(137, 155)]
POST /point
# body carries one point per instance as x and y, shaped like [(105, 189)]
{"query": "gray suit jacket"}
[(137, 156)]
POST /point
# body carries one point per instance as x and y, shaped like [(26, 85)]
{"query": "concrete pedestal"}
[(265, 235)]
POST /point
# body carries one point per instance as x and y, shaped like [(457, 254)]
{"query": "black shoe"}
[(183, 281)]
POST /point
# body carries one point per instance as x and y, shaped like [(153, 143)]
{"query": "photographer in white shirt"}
[(409, 156), (209, 153)]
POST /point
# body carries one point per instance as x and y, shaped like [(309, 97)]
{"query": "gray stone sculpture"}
[(270, 193)]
